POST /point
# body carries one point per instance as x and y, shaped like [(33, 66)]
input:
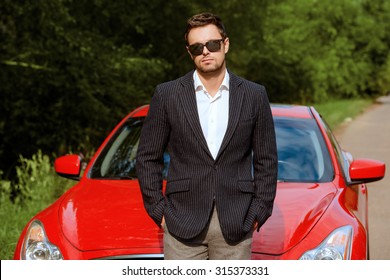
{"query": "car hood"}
[(298, 207), (107, 214), (103, 215)]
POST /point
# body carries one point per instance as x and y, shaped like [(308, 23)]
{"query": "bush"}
[(37, 180), (36, 187)]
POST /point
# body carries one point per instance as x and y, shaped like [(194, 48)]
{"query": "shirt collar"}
[(199, 86)]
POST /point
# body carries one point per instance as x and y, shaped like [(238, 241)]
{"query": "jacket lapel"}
[(188, 100), (235, 104)]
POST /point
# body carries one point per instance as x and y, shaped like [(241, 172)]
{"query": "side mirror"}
[(68, 166), (366, 171)]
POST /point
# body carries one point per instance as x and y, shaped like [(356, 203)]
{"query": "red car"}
[(320, 209)]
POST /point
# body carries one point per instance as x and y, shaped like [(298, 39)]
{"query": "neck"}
[(212, 80)]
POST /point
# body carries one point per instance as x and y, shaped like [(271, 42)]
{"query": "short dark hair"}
[(202, 20)]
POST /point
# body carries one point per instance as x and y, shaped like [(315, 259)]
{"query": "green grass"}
[(13, 219), (337, 111), (39, 186)]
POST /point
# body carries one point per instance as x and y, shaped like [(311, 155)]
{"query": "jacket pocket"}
[(178, 186), (246, 186)]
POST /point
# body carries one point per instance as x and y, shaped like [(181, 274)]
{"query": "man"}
[(219, 132)]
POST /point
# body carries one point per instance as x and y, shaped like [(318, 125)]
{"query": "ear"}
[(226, 44)]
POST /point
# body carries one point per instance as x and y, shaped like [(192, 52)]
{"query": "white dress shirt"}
[(213, 112)]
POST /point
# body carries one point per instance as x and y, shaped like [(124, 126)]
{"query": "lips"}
[(207, 60)]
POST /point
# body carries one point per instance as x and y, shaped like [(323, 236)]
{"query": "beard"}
[(212, 68)]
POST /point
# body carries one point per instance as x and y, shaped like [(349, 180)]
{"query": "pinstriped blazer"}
[(241, 181)]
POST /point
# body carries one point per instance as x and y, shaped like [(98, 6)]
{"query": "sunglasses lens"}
[(212, 46), (196, 49)]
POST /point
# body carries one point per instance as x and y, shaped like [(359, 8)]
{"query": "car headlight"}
[(337, 246), (36, 245)]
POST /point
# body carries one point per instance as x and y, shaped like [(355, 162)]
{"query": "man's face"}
[(207, 61)]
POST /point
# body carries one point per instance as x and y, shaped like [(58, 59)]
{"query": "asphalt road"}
[(368, 136)]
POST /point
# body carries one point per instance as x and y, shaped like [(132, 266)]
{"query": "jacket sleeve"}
[(150, 162), (265, 161)]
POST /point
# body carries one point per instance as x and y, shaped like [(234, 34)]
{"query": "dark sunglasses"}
[(212, 46)]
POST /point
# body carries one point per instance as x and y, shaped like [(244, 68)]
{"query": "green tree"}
[(64, 82), (305, 50), (69, 69)]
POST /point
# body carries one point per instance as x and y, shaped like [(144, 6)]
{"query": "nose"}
[(205, 50)]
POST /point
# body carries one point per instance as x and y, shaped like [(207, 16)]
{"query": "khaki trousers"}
[(209, 245)]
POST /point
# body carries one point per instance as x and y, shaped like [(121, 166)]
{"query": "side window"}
[(117, 160), (302, 152)]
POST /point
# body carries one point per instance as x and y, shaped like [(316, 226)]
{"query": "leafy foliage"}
[(306, 51), (69, 70), (37, 186), (60, 76), (37, 181)]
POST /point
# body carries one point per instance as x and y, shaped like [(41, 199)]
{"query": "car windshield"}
[(302, 153)]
